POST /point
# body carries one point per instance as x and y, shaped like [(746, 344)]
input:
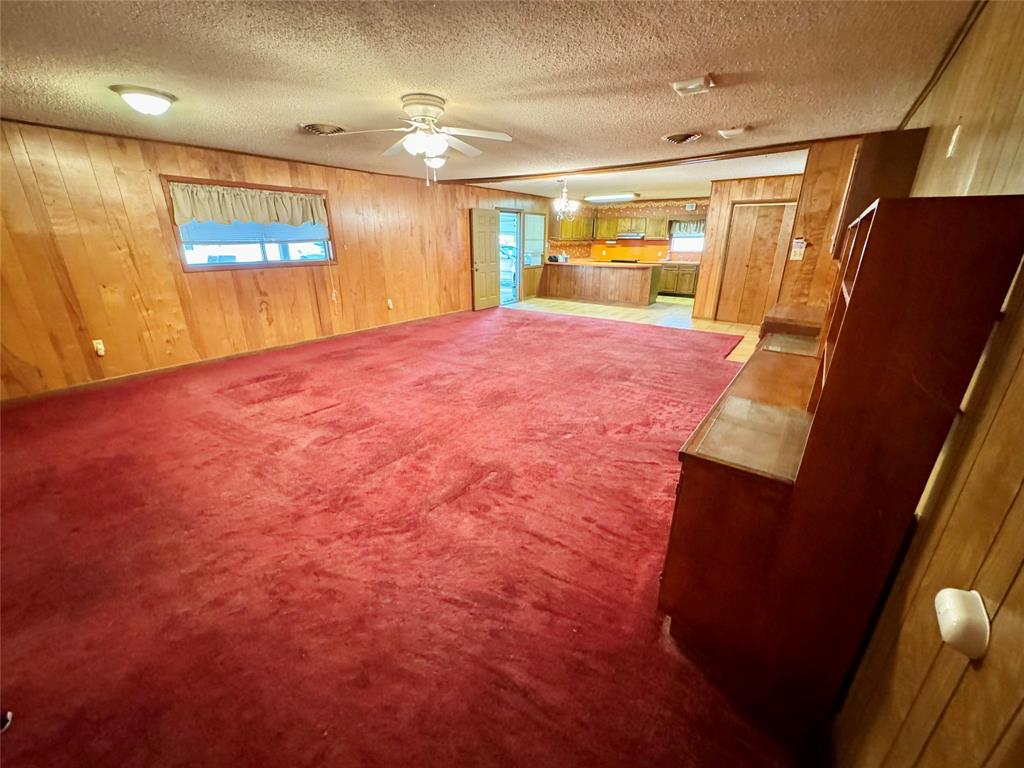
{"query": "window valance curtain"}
[(687, 228), (224, 205)]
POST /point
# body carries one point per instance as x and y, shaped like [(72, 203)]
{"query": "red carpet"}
[(436, 544)]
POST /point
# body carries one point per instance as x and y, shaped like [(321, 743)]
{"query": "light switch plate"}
[(796, 253)]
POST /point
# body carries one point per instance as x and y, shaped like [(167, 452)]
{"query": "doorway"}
[(509, 240), (755, 255), (508, 255)]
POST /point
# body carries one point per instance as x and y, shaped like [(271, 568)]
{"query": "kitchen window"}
[(686, 236), (686, 244), (238, 227)]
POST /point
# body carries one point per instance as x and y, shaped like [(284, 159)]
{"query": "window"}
[(686, 243), (686, 236), (210, 244), (225, 225), (533, 239)]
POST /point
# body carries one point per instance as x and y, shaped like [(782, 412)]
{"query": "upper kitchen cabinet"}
[(580, 228), (606, 229), (656, 229), (632, 225)]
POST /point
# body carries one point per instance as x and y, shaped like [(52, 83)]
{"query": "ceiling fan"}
[(424, 137)]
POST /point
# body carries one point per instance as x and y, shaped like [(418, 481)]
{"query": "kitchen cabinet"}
[(687, 283), (631, 224), (679, 279), (669, 278), (584, 228), (656, 229), (580, 228), (606, 229)]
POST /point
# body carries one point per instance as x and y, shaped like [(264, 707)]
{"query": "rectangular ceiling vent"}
[(696, 85)]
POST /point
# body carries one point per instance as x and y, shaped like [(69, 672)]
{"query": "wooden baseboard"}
[(86, 385)]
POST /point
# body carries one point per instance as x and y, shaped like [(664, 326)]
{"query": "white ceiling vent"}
[(322, 129), (681, 138), (696, 85)]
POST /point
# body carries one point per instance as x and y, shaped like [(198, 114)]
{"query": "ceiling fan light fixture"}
[(147, 101), (435, 162), (435, 144), (415, 143)]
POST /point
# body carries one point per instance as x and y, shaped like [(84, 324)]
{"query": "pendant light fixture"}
[(565, 209)]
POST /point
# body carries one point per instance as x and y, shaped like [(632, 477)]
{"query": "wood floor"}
[(669, 311)]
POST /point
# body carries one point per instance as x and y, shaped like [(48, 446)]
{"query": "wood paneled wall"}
[(88, 251), (915, 701), (826, 178), (724, 194)]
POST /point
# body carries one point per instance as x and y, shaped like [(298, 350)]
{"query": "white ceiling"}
[(690, 180), (576, 84)]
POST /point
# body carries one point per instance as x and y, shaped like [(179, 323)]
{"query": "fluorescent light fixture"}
[(616, 198), (145, 100)]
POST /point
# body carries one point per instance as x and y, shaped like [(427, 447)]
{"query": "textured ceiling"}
[(690, 180), (576, 84)]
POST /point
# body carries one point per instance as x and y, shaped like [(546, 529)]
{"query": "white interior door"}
[(484, 225)]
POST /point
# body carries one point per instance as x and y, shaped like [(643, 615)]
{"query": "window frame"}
[(166, 179)]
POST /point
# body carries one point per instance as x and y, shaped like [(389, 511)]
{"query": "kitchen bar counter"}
[(602, 281)]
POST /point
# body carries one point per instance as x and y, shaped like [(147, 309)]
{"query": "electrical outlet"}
[(391, 304), (99, 347)]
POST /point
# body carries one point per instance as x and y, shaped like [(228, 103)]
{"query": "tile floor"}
[(671, 311)]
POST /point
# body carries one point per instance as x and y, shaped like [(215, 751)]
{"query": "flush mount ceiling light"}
[(616, 198), (148, 101), (732, 133), (694, 85), (565, 209)]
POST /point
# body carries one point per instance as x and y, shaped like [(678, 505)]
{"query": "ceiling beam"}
[(730, 155)]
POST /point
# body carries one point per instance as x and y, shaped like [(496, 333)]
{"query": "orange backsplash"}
[(644, 250)]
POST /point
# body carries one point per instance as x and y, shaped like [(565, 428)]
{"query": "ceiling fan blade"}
[(493, 135), (463, 147), (374, 130), (395, 148)]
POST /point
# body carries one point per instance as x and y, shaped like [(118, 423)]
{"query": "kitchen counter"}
[(601, 281), (595, 263)]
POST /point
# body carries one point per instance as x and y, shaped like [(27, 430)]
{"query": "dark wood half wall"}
[(89, 252)]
